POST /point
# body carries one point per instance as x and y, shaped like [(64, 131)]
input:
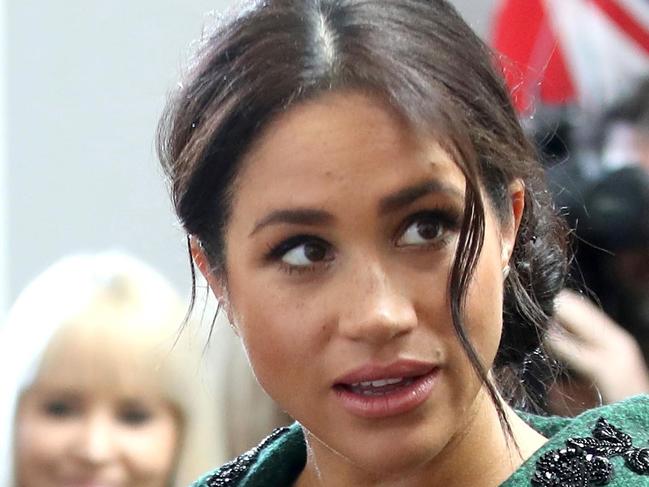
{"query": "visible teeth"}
[(381, 387), (378, 383)]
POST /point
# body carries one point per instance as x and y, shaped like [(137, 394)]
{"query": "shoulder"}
[(276, 461), (608, 445)]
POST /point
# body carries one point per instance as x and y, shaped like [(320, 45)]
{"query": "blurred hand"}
[(595, 346)]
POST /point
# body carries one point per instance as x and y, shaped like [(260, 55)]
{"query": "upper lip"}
[(377, 371)]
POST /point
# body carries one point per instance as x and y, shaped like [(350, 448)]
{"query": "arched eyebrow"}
[(388, 204), (294, 216), (408, 195)]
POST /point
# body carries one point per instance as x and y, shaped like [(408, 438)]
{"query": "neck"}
[(480, 454)]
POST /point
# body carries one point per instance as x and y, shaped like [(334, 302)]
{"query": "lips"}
[(377, 391), (375, 372), (379, 387)]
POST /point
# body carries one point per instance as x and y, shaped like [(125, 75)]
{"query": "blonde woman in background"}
[(98, 388)]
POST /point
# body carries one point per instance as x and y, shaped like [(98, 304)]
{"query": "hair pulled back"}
[(420, 58)]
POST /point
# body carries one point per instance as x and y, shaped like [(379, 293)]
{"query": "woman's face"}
[(338, 253), (76, 429)]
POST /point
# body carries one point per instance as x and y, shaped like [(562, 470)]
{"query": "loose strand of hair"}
[(192, 296), (470, 244)]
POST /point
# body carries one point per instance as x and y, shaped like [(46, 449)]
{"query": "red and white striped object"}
[(585, 52)]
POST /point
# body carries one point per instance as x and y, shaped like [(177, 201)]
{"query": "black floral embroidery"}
[(586, 462), (232, 472)]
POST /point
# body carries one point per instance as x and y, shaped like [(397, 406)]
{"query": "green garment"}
[(279, 461)]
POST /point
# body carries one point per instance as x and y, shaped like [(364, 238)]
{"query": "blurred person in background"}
[(603, 363), (99, 388), (625, 130), (562, 79), (606, 350), (613, 251)]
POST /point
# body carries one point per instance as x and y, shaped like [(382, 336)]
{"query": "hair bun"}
[(538, 275)]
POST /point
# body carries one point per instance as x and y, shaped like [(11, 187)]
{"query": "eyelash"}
[(448, 217), (275, 253)]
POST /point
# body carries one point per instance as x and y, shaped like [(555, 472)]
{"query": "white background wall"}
[(84, 83), (4, 277)]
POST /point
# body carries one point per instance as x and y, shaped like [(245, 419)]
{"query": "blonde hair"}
[(128, 314)]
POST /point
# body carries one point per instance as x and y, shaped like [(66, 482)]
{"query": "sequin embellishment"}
[(585, 462), (232, 472)]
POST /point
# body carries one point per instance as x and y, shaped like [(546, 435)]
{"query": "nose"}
[(375, 308), (96, 440)]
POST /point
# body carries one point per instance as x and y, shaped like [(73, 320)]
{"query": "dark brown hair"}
[(420, 58)]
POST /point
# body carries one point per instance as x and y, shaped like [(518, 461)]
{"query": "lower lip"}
[(394, 403)]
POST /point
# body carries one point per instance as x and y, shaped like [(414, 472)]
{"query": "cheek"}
[(151, 449), (484, 303), (277, 344), (40, 447), (281, 334)]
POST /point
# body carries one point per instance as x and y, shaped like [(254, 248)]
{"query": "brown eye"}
[(429, 230), (307, 253), (314, 253), (424, 229)]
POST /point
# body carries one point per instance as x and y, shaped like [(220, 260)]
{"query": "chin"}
[(396, 463), (386, 454)]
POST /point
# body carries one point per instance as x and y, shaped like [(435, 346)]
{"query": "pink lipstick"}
[(380, 391)]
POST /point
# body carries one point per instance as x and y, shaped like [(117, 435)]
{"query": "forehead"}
[(339, 139), (87, 359)]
